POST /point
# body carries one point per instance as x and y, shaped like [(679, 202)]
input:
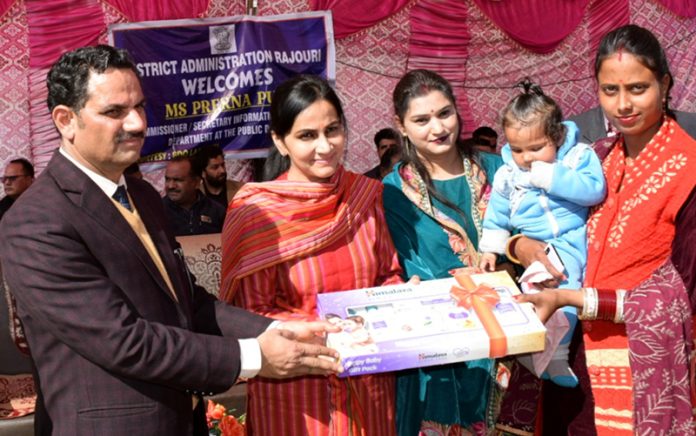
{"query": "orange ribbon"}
[(481, 298)]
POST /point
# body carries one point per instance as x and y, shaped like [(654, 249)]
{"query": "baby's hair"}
[(532, 106)]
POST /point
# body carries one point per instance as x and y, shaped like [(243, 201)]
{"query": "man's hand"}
[(295, 348), (310, 331)]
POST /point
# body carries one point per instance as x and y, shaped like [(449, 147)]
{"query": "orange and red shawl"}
[(273, 222), (641, 383), (629, 235)]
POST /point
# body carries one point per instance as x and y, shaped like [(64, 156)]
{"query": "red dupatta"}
[(273, 222), (630, 234), (640, 381)]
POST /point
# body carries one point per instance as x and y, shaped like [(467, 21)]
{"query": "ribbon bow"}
[(465, 297), (482, 299)]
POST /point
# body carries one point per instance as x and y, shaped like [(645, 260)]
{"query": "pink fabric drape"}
[(604, 16), (350, 16), (14, 88), (57, 26), (148, 10), (683, 8), (537, 25), (481, 60), (5, 6), (440, 42)]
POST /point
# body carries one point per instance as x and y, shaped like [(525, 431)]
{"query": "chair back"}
[(13, 361), (203, 254)]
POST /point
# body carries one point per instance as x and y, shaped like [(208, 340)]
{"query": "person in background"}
[(636, 363), (133, 171), (594, 125), (485, 139), (434, 202), (19, 175), (209, 163), (544, 191), (123, 340), (390, 158), (385, 140), (188, 211), (314, 227)]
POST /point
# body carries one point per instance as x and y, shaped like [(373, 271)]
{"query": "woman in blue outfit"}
[(434, 203)]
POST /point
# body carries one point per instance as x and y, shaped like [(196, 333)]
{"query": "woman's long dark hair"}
[(419, 83), (532, 106), (289, 99), (642, 44)]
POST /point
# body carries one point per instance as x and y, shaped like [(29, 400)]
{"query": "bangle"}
[(620, 298), (589, 304), (606, 307), (510, 249)]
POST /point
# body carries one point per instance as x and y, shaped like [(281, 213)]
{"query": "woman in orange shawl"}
[(314, 228), (638, 301)]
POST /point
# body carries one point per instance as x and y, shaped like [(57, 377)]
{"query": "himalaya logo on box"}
[(379, 292), (426, 356)]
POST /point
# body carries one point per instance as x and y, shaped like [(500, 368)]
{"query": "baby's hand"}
[(488, 262)]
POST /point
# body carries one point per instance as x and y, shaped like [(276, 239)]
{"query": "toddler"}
[(544, 191)]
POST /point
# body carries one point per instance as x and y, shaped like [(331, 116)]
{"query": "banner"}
[(211, 81)]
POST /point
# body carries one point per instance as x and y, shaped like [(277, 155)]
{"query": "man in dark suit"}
[(594, 125), (122, 338)]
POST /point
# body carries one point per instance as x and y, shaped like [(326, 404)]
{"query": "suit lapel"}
[(92, 200)]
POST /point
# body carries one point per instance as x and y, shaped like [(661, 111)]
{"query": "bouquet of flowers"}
[(222, 423)]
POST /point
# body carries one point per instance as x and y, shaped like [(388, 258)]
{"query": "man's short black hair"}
[(26, 165), (484, 131), (203, 155), (189, 159), (67, 80), (386, 133)]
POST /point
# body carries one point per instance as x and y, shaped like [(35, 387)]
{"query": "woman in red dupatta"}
[(638, 303), (315, 228)]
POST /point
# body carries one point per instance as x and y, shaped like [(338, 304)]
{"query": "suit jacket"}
[(115, 353), (592, 125)]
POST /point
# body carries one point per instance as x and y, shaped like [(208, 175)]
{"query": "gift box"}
[(466, 317)]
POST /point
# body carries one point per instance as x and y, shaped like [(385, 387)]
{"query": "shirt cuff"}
[(250, 354)]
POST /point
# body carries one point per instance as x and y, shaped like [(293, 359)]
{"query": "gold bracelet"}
[(511, 243)]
